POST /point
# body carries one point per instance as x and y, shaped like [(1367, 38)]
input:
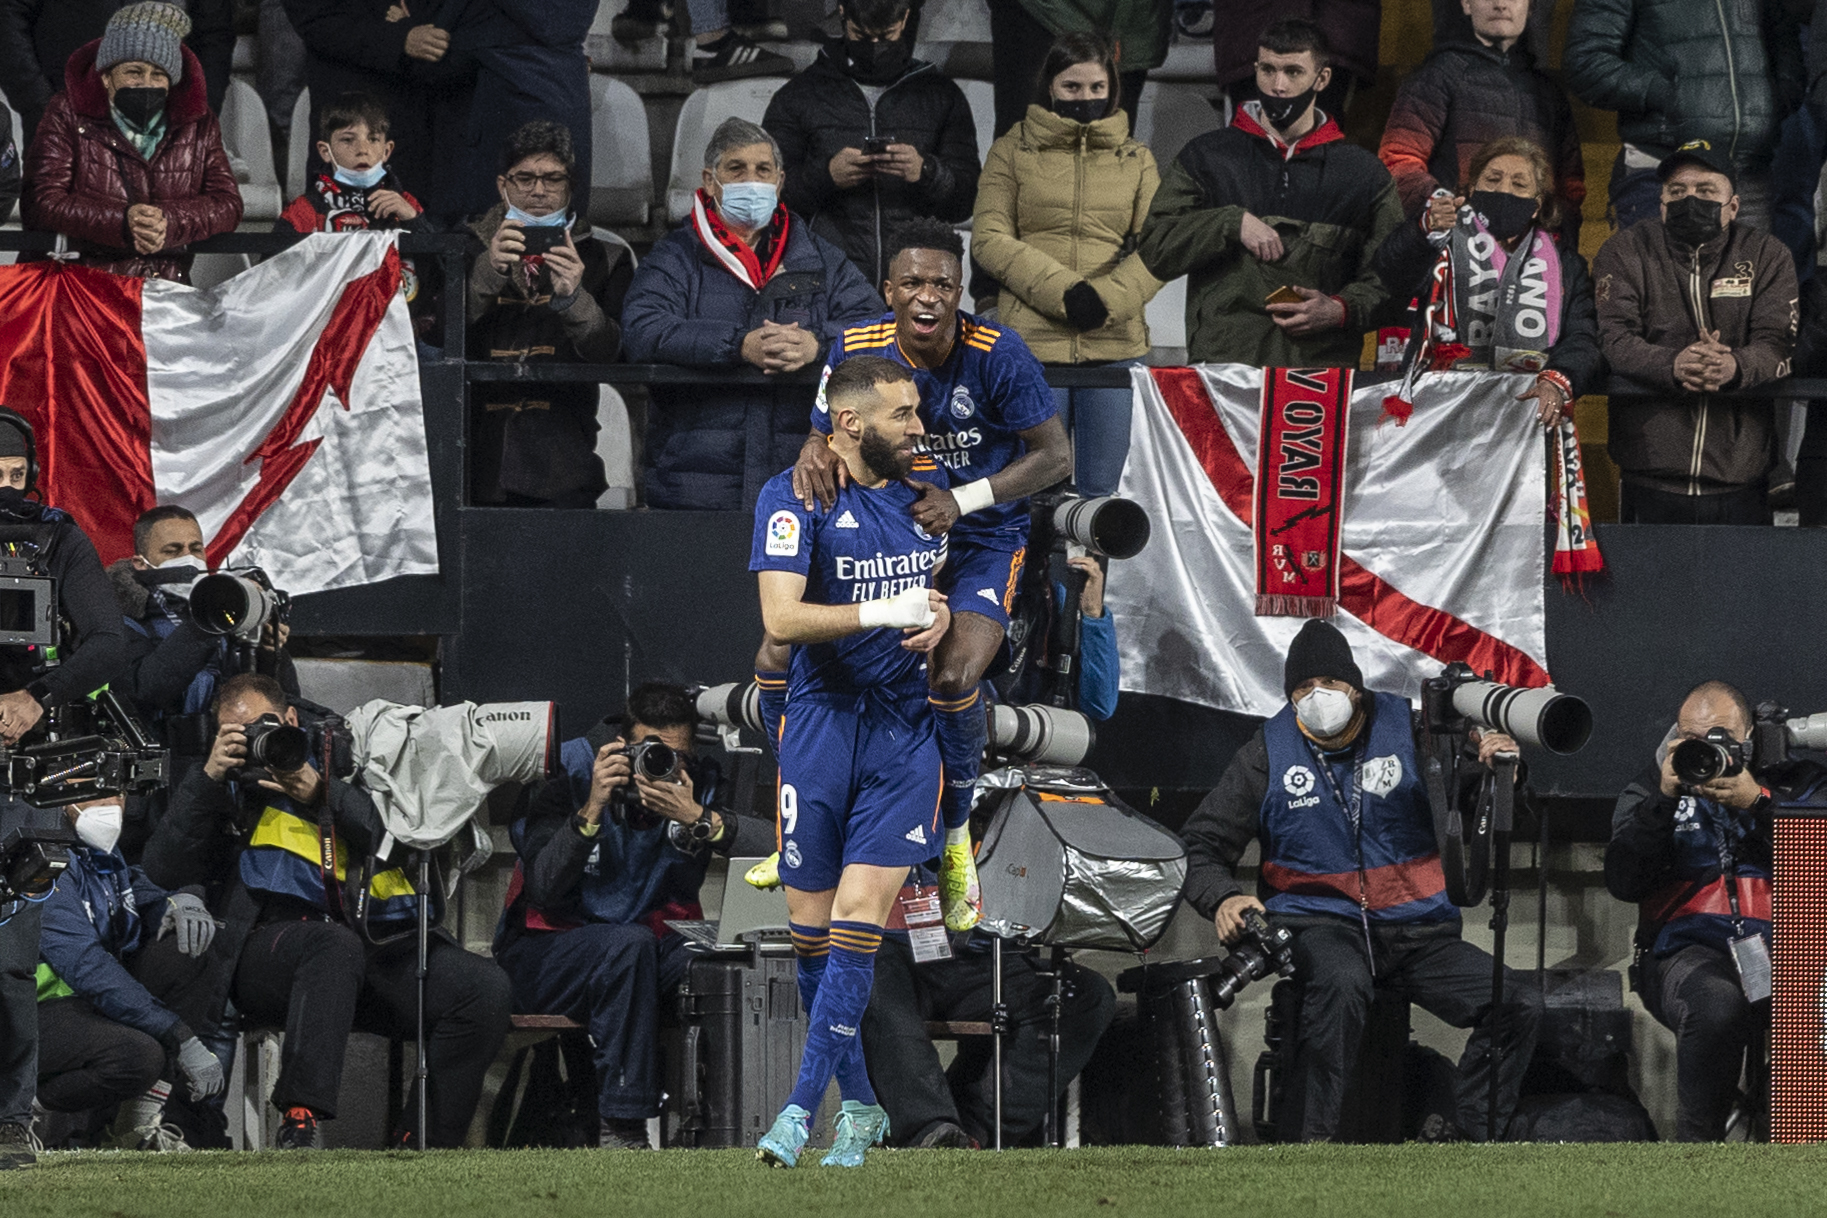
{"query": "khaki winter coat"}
[(1060, 202)]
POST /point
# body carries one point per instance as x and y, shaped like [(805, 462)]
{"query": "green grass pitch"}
[(1252, 1182)]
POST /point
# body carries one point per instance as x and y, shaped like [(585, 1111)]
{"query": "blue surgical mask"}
[(555, 220), (749, 204), (367, 179)]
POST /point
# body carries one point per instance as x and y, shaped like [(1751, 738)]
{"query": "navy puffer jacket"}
[(711, 447), (1726, 71)]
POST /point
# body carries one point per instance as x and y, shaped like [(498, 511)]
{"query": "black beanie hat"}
[(12, 441), (1319, 650)]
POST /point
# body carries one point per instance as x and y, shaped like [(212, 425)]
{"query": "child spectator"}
[(359, 191)]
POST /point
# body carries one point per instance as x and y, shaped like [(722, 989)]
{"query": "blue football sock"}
[(833, 1040), (963, 732), (773, 687)]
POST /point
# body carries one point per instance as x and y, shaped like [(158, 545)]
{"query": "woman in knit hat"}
[(128, 161)]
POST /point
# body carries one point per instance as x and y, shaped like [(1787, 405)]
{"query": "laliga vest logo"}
[(962, 406), (1297, 781)]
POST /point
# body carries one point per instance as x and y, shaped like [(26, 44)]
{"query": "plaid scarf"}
[(734, 253)]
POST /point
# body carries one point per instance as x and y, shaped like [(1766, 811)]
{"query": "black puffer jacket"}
[(1727, 71), (823, 111), (1466, 95)]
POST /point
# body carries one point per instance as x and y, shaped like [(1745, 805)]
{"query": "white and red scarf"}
[(732, 251), (1300, 490)]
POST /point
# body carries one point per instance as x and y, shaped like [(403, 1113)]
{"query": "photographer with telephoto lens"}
[(85, 628), (283, 843), (609, 851), (1333, 789), (1702, 963)]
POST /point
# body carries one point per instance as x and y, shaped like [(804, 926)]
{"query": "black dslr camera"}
[(1714, 755), (654, 760), (1261, 949), (273, 745)]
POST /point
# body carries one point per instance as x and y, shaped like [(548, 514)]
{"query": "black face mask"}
[(1082, 110), (1694, 221), (14, 503), (1282, 111), (1507, 216), (139, 104), (877, 63)]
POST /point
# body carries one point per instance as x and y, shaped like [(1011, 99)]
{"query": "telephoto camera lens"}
[(1701, 761), (228, 604), (1117, 528), (277, 745), (1043, 735)]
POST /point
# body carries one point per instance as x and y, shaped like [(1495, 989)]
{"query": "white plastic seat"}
[(621, 158), (1169, 114), (298, 144), (247, 138), (702, 112), (981, 94), (615, 445)]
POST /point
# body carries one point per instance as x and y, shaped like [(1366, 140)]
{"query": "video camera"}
[(28, 594), (84, 751), (30, 862), (1774, 734)]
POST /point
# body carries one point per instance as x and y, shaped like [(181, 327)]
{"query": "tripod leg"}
[(424, 886), (998, 1022)]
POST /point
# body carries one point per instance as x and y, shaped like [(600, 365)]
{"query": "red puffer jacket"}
[(81, 174)]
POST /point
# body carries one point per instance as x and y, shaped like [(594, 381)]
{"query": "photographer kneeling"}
[(261, 836), (606, 857), (1332, 787), (1671, 844)]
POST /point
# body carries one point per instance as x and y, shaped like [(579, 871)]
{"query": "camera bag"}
[(1064, 862)]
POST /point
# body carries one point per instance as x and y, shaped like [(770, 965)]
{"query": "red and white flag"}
[(1441, 548), (282, 407)]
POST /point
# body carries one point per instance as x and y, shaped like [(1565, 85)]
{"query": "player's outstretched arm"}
[(1047, 461), (789, 618)]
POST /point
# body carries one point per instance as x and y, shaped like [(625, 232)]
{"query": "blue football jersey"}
[(974, 406), (865, 548)]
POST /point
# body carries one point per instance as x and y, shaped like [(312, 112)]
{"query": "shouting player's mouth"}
[(926, 322)]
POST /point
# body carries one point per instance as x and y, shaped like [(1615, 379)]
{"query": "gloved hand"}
[(202, 1070), (185, 914), (1085, 309)]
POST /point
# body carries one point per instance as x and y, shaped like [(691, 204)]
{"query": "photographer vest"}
[(284, 858), (1311, 861), (1693, 907)]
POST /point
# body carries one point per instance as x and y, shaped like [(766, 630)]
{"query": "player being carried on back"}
[(849, 588), (992, 422)]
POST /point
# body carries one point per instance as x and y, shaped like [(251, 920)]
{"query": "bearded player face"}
[(890, 430)]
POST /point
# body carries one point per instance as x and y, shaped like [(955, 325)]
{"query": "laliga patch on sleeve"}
[(783, 535), (824, 407)]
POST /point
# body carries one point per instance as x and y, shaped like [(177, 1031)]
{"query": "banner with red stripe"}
[(1440, 541)]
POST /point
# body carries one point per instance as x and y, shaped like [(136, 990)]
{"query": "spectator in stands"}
[(1332, 203), (124, 989), (1671, 845), (1453, 23), (292, 958), (128, 162), (1060, 204), (721, 50), (873, 137), (360, 189), (1338, 755), (173, 667), (9, 165), (408, 56), (536, 300), (1687, 456), (742, 281), (1023, 31), (1351, 29), (1679, 70), (1472, 90), (1503, 227), (37, 38), (606, 859), (930, 1105)]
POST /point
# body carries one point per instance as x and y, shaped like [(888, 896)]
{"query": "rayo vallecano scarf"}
[(1300, 490)]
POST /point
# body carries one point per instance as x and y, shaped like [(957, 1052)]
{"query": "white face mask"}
[(1324, 712), (181, 562), (99, 826)]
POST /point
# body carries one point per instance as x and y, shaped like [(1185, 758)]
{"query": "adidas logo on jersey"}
[(847, 521), (916, 835), (989, 594)]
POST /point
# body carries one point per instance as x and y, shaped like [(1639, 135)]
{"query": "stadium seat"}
[(249, 139), (606, 54), (621, 165), (298, 144), (1168, 115), (8, 257), (615, 445), (1166, 315), (702, 111), (981, 94)]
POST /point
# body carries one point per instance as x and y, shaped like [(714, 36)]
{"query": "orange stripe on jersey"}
[(1008, 595)]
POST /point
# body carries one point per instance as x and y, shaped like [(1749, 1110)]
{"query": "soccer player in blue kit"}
[(849, 588), (990, 420)]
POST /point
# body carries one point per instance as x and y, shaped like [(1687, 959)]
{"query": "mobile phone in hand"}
[(541, 240), (877, 145), (1284, 295)]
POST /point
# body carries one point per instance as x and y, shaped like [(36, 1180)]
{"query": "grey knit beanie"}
[(153, 33)]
